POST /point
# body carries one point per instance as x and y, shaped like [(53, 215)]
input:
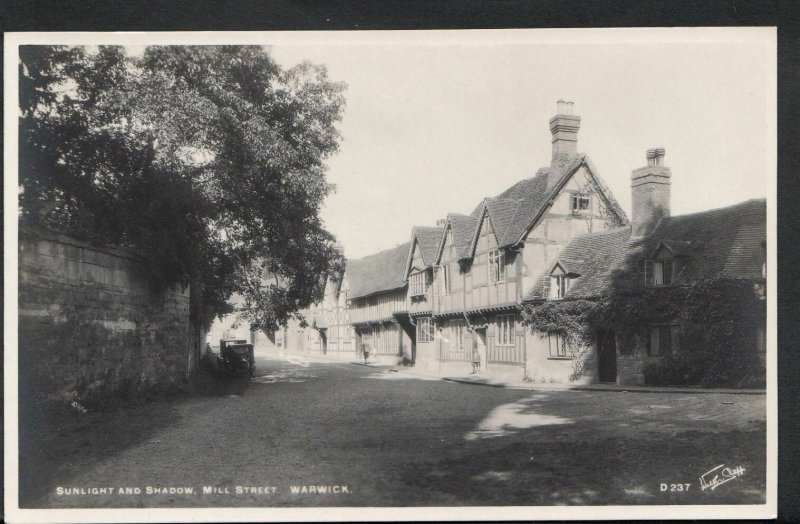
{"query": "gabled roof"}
[(721, 243), (383, 271), (427, 239), (517, 209), (593, 256), (463, 230)]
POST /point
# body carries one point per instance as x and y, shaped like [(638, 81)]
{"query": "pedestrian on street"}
[(366, 353), (476, 358)]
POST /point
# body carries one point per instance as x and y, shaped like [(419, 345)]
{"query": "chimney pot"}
[(440, 222), (560, 107), (569, 107), (660, 156)]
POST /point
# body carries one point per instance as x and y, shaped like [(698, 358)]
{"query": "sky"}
[(435, 125)]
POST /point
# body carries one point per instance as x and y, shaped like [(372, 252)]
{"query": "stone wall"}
[(89, 327)]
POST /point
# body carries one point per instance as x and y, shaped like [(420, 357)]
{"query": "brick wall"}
[(89, 326)]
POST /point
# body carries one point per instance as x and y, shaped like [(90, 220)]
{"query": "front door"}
[(607, 355), (480, 341)]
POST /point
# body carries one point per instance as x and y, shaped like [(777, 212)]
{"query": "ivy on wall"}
[(718, 318)]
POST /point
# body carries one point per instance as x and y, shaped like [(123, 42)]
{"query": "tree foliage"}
[(208, 161)]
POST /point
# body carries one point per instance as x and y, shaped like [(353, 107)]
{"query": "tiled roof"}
[(383, 271), (463, 227), (723, 242), (428, 239), (514, 211), (501, 213), (726, 242), (593, 256)]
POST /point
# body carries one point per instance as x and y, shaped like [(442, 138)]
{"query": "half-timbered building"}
[(377, 304), (488, 260)]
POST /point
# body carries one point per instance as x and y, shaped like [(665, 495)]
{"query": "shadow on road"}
[(570, 448), (57, 443)]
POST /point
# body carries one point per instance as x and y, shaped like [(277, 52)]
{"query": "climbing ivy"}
[(718, 319)]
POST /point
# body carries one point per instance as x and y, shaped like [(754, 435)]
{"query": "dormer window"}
[(659, 272), (580, 203), (558, 283), (663, 267)]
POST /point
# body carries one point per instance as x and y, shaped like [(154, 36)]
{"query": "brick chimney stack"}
[(564, 127), (650, 191)]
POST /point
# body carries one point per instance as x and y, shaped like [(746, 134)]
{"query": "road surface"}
[(340, 434)]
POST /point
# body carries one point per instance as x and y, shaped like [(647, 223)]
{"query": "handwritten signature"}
[(718, 476)]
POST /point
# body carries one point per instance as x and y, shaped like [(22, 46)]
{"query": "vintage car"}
[(236, 357)]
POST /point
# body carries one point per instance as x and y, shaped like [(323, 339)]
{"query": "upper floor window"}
[(418, 283), (497, 266), (505, 330), (664, 340), (659, 272), (442, 279), (580, 202), (559, 286), (424, 329)]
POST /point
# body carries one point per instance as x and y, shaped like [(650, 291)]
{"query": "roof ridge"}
[(717, 209)]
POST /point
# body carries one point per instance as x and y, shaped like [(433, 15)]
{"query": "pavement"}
[(374, 436), (483, 379)]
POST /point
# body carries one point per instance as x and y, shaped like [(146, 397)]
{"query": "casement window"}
[(457, 330), (659, 272), (559, 285), (442, 279), (558, 346), (580, 203), (504, 335), (418, 283), (425, 329), (664, 340), (497, 266)]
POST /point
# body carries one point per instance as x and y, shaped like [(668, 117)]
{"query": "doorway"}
[(607, 355), (479, 335)]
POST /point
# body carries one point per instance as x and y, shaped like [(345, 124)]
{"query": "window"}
[(419, 283), (497, 266), (559, 286), (658, 272), (558, 346), (580, 203), (442, 279), (457, 328), (424, 329), (663, 340), (505, 330)]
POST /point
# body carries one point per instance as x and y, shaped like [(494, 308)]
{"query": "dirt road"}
[(337, 434)]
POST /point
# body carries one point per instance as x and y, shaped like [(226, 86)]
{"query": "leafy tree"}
[(209, 161)]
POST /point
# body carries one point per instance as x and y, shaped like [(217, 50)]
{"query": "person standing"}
[(476, 356), (366, 353)]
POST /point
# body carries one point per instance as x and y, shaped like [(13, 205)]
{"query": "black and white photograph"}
[(453, 275)]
